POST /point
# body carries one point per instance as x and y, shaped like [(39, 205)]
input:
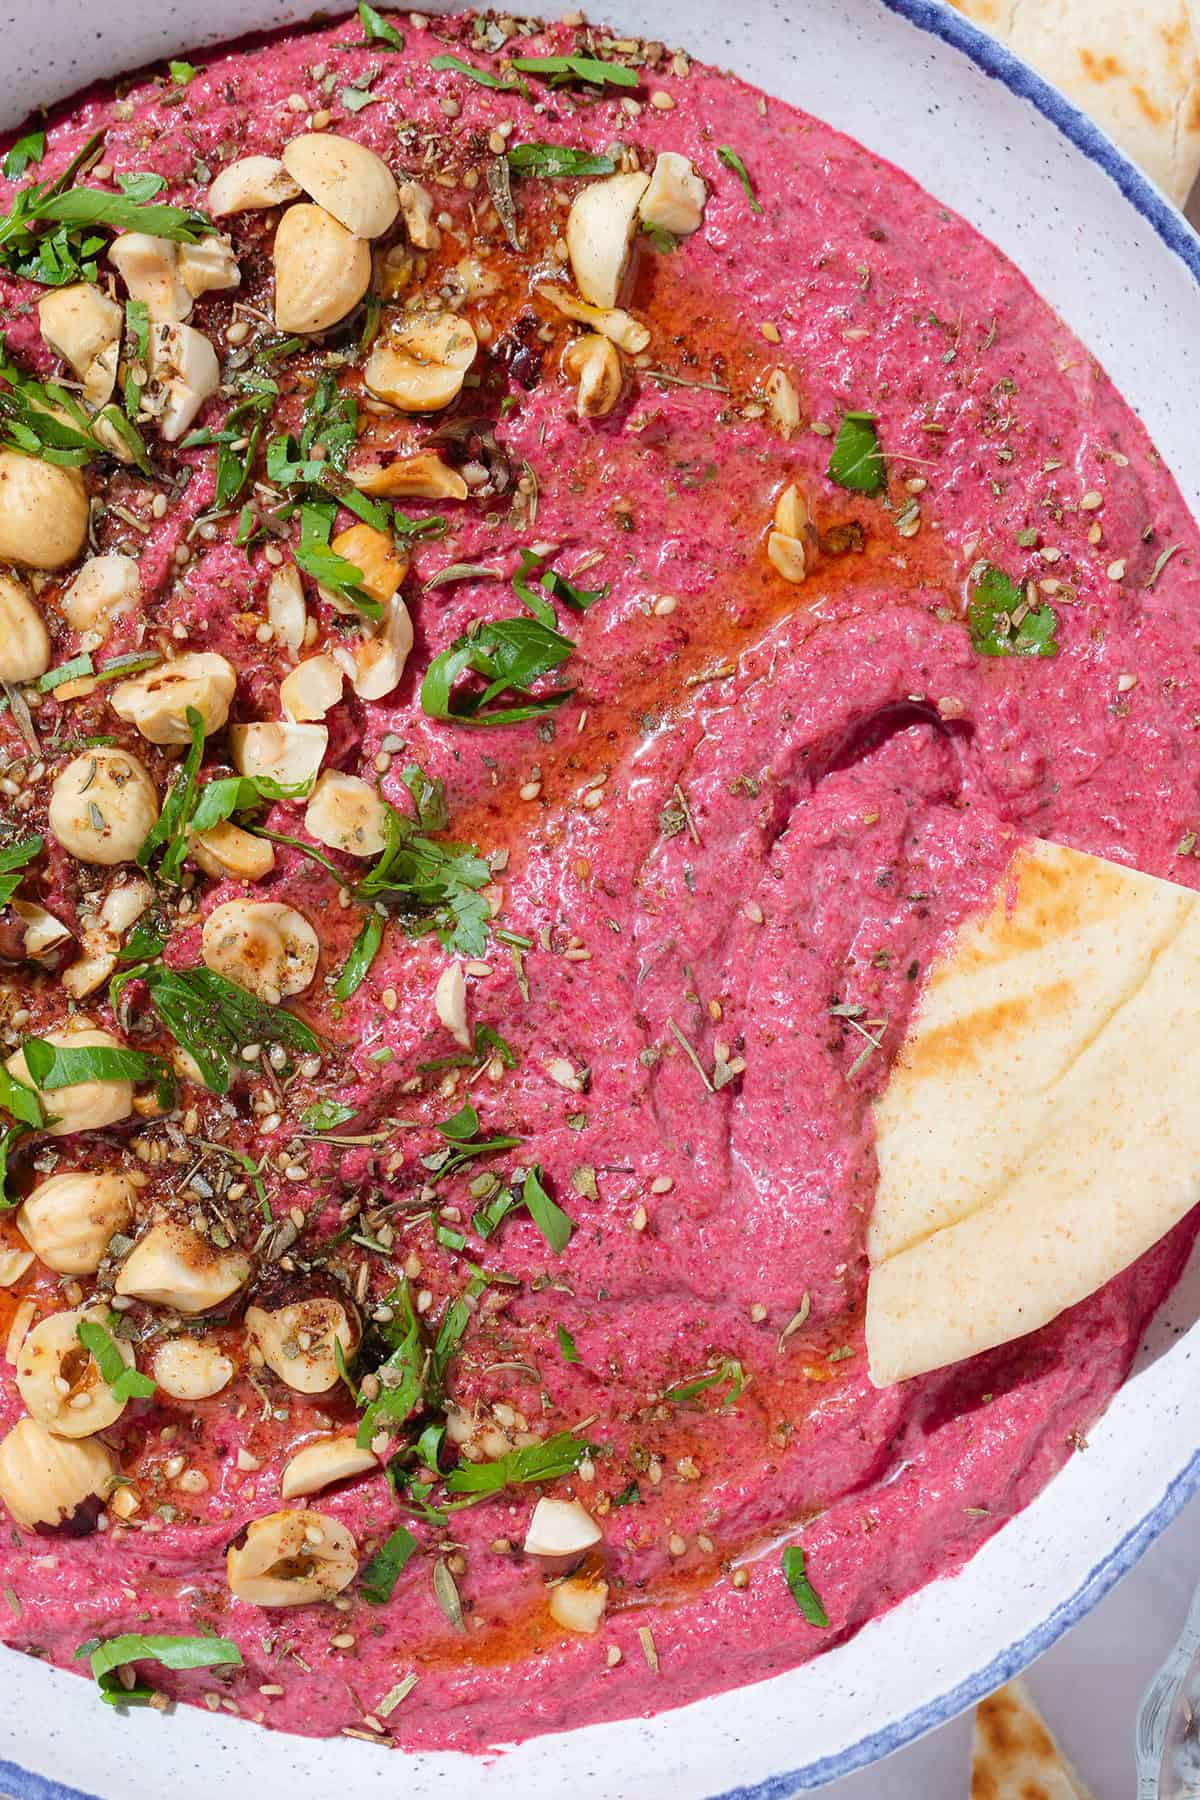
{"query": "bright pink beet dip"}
[(801, 791)]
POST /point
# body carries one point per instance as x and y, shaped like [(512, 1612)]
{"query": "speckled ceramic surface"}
[(913, 82)]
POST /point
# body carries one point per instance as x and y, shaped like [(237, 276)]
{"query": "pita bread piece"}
[(1134, 70), (1014, 1756), (1039, 1130)]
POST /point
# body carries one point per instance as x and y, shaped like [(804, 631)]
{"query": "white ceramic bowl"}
[(915, 83)]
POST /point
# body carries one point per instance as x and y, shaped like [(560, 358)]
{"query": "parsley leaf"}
[(430, 885), (45, 420), (169, 831), (123, 1381), (325, 1115), (107, 1656), (729, 156), (212, 1019), (484, 77), (547, 1215), (553, 160), (1002, 623), (857, 461), (401, 1375), (556, 1456), (314, 556), (509, 655), (21, 1102), (14, 860), (462, 1133), (70, 249), (559, 70), (362, 954), (728, 1372), (566, 1345), (380, 1575), (28, 149), (802, 1590), (377, 30), (181, 73)]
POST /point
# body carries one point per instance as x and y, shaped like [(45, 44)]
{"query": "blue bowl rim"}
[(940, 21)]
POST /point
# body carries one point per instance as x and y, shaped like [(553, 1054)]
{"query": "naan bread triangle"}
[(1014, 1756), (1039, 1129), (1135, 70)]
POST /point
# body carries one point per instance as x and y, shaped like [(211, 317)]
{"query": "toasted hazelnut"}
[(561, 1531), (184, 373), (51, 1483), (600, 232), (226, 852), (375, 555), (625, 331), (417, 209), (352, 184), (674, 200), (149, 267), (450, 1003), (421, 477), (24, 640), (286, 611), (173, 1266), (158, 701), (104, 589), (375, 662), (312, 688), (268, 948), (249, 185), (420, 363), (102, 935), (43, 936), (594, 363), (783, 402), (83, 326), (188, 1368), (291, 1559), (278, 751), (68, 1219), (578, 1603), (322, 270), (209, 266), (789, 544), (84, 1105), (346, 813), (296, 1339), (60, 1382), (323, 1462), (13, 1264), (102, 805), (43, 512)]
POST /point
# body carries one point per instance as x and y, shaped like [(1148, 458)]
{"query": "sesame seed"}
[(677, 1545), (1091, 502), (770, 332), (661, 101), (530, 790), (753, 911), (640, 1219), (1116, 570), (662, 1184)]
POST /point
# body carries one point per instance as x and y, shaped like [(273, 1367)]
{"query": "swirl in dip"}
[(534, 608)]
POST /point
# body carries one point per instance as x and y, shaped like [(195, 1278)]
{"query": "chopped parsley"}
[(728, 1373), (363, 952), (213, 1019), (508, 656), (380, 1575), (109, 1655), (553, 160), (559, 70), (1001, 621), (122, 1380), (801, 1588), (52, 233), (857, 461), (28, 149), (430, 885), (729, 156), (566, 1345), (54, 1066), (14, 860), (378, 33), (556, 1456)]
